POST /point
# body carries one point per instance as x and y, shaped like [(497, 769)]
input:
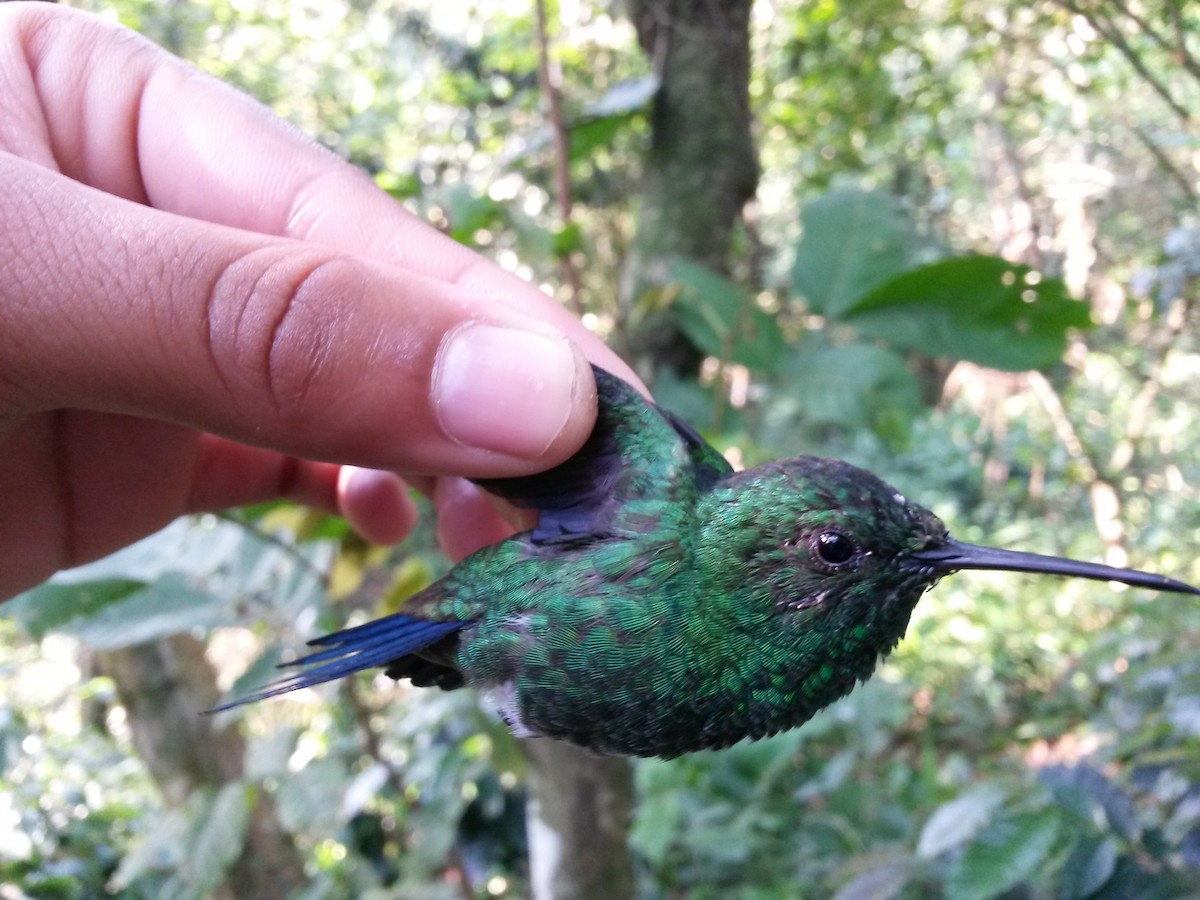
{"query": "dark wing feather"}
[(708, 465), (634, 447)]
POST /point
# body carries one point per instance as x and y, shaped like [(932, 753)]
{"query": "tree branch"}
[(1177, 49), (1167, 164), (549, 81), (1112, 33)]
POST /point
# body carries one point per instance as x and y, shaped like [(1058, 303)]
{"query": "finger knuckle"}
[(272, 323)]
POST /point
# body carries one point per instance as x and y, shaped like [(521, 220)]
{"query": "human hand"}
[(200, 308)]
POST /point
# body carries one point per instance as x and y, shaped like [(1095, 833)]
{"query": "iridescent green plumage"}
[(664, 603)]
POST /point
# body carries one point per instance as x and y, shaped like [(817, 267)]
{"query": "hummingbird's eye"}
[(834, 548)]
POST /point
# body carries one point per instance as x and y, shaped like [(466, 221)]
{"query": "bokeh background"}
[(955, 242)]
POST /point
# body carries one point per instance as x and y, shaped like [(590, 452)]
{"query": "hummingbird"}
[(664, 603)]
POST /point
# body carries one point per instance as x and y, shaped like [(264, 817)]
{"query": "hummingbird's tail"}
[(381, 642)]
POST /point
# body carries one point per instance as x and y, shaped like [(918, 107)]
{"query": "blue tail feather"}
[(365, 646), (400, 633), (396, 625)]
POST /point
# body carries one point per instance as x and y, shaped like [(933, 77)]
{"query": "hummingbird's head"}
[(812, 567), (827, 543), (815, 555), (829, 534)]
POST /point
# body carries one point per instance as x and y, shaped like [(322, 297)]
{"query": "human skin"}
[(200, 308)]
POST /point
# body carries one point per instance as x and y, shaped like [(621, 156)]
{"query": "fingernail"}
[(503, 389)]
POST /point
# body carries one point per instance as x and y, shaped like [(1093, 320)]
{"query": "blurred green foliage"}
[(1028, 739)]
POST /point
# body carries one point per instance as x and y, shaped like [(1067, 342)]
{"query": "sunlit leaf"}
[(723, 321), (216, 837), (1083, 788), (411, 575), (959, 820), (1004, 854), (852, 241), (53, 605), (168, 606), (852, 386), (981, 308), (884, 882), (603, 120), (626, 96), (467, 211), (568, 239), (1089, 866), (589, 134)]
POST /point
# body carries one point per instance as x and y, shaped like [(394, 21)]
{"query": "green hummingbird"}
[(664, 603)]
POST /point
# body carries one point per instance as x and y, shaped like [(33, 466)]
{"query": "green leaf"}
[(267, 755), (886, 882), (184, 577), (468, 212), (852, 241), (1090, 865), (981, 308), (1004, 855), (52, 606), (179, 544), (568, 239), (723, 321), (216, 837), (312, 798), (158, 848), (168, 606), (401, 185), (688, 399), (587, 135), (958, 821), (262, 671), (603, 120), (654, 829), (1083, 788), (534, 240), (626, 97), (852, 386)]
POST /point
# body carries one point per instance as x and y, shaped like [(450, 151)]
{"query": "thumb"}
[(113, 306)]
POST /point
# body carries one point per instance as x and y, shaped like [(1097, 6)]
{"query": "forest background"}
[(956, 242)]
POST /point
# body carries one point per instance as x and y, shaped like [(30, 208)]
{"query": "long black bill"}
[(951, 555)]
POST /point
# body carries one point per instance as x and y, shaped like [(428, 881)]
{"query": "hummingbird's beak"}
[(950, 555)]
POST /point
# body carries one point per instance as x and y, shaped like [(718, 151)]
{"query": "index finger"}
[(108, 108)]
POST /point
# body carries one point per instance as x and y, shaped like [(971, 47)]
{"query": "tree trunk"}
[(578, 823), (701, 171), (703, 165), (165, 687)]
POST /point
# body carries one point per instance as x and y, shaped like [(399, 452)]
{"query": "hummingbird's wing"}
[(637, 460), (708, 465), (636, 454)]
